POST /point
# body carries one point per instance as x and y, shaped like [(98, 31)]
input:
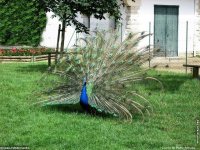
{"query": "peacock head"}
[(89, 86), (84, 81)]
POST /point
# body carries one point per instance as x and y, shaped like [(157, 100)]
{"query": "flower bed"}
[(25, 55), (24, 52)]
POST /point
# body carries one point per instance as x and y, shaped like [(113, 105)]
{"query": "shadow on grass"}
[(76, 108), (172, 82), (35, 67)]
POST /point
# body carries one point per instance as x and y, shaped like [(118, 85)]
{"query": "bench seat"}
[(195, 69)]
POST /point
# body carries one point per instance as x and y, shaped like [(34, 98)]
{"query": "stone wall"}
[(132, 22)]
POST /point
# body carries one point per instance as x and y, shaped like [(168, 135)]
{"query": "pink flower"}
[(2, 51), (14, 50), (32, 51)]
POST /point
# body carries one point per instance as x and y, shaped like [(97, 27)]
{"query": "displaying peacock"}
[(102, 75)]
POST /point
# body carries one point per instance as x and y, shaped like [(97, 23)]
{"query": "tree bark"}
[(63, 37)]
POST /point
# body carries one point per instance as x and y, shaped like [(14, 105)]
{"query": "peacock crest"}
[(102, 75)]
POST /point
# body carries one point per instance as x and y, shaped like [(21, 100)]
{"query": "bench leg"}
[(195, 72)]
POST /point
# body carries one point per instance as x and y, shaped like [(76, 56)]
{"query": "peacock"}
[(101, 74)]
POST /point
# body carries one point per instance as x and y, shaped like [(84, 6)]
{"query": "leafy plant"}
[(21, 22), (67, 11)]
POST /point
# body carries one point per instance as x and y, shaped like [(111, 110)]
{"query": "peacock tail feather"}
[(110, 70)]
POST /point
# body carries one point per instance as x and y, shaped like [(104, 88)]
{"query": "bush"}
[(21, 22)]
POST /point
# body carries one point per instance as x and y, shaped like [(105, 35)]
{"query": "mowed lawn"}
[(173, 124)]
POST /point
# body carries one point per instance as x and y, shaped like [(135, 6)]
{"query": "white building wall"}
[(197, 28), (186, 13), (134, 19), (51, 31)]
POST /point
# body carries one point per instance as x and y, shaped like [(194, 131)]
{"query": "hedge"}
[(21, 22)]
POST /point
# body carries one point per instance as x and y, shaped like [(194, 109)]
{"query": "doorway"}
[(166, 30)]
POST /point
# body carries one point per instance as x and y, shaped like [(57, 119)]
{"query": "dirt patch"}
[(174, 64)]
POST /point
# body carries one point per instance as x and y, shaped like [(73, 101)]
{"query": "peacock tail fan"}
[(114, 73)]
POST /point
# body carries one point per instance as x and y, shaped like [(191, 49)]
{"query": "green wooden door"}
[(166, 30)]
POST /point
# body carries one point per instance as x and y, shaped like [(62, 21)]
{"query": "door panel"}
[(159, 30), (172, 31), (166, 30)]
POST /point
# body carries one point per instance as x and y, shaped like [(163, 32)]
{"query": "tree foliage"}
[(67, 10)]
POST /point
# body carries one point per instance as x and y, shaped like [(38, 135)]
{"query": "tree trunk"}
[(62, 37)]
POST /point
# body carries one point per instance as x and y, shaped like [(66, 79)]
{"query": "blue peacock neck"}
[(84, 96)]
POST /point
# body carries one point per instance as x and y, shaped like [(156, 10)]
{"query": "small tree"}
[(67, 11)]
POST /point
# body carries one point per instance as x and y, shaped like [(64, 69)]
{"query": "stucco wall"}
[(137, 19), (51, 31), (197, 27), (186, 13)]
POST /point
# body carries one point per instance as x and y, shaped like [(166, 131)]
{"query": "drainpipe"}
[(194, 39)]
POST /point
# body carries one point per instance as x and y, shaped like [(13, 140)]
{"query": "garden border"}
[(25, 58)]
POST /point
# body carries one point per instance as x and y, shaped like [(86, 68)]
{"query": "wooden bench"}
[(195, 69)]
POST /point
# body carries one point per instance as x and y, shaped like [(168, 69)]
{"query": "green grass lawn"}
[(173, 123)]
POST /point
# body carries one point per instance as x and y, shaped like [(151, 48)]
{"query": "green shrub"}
[(21, 22)]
